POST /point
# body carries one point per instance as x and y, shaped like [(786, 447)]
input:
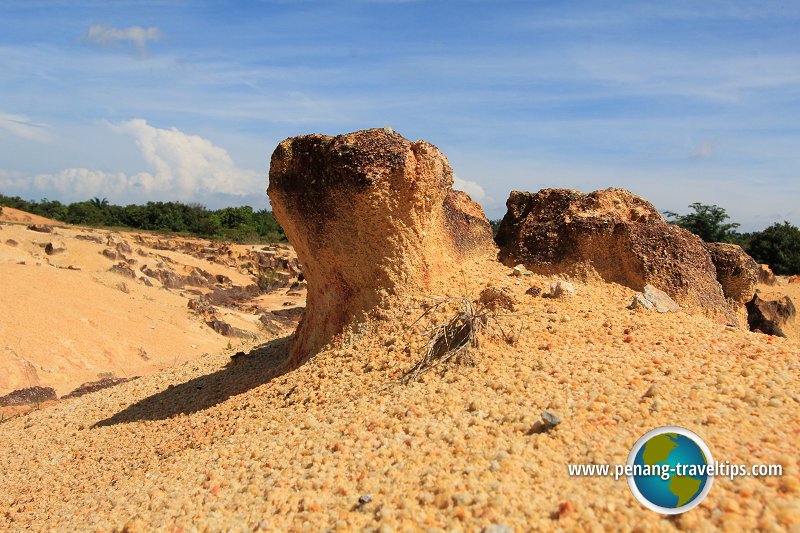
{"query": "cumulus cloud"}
[(704, 149), (182, 167), (21, 126), (137, 36), (186, 164), (474, 190)]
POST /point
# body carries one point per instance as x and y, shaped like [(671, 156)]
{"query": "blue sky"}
[(677, 101)]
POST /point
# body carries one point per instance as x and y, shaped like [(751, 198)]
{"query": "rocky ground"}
[(221, 444), (81, 305)]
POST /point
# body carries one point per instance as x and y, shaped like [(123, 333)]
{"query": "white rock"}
[(661, 300), (520, 270), (561, 288)]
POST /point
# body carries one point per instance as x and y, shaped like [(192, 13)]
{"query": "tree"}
[(98, 203), (85, 213), (778, 246), (707, 222)]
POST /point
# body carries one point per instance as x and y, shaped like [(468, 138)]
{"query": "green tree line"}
[(778, 245), (237, 224)]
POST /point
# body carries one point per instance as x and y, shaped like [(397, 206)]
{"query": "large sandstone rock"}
[(369, 214), (737, 273), (612, 234)]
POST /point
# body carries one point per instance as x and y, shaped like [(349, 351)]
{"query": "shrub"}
[(778, 246)]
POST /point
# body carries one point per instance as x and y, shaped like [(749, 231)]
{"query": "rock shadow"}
[(243, 373)]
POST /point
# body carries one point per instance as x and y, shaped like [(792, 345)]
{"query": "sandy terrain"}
[(67, 319), (214, 445), (9, 214)]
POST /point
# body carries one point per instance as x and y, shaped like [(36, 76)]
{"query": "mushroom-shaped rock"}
[(615, 235), (370, 214)]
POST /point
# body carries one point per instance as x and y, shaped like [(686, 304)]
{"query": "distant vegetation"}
[(707, 222), (778, 245), (237, 224)]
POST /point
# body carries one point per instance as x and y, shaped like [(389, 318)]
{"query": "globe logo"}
[(671, 470)]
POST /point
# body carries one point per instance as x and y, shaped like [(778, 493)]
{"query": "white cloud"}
[(182, 167), (187, 164), (21, 126), (474, 190), (704, 149), (136, 35)]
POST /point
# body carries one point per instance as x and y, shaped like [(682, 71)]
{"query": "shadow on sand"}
[(261, 365)]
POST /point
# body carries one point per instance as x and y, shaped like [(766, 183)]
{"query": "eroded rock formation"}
[(369, 214), (737, 273), (612, 234), (765, 275), (773, 314)]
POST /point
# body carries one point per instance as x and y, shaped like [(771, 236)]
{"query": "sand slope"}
[(211, 445), (67, 319), (9, 214)]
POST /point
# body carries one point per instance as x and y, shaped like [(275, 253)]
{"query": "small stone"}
[(640, 302), (520, 270), (497, 528), (565, 508), (660, 300), (534, 291), (364, 499), (561, 288), (550, 419), (652, 391)]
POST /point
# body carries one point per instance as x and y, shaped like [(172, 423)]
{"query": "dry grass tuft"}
[(450, 340)]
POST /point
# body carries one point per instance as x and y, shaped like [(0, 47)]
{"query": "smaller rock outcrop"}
[(51, 249), (737, 273), (90, 238), (123, 269), (765, 275), (612, 234), (771, 314), (225, 329), (28, 396), (41, 228), (94, 386)]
